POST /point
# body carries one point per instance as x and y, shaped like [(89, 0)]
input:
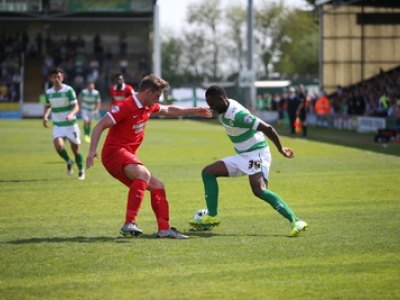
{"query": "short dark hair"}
[(215, 91), (56, 71), (152, 82)]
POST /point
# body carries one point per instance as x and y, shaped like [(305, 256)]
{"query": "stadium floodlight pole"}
[(250, 44), (156, 41)]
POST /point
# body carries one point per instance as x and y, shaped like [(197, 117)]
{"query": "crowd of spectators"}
[(93, 60), (82, 60), (11, 48), (378, 96), (96, 63)]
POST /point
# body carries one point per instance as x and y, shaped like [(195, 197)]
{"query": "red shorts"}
[(115, 160)]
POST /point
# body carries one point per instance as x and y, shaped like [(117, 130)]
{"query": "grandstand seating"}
[(371, 93)]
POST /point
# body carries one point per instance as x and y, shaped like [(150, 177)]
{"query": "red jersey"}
[(117, 94), (130, 118)]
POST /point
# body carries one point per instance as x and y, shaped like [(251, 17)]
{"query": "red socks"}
[(159, 203), (160, 207), (135, 198)]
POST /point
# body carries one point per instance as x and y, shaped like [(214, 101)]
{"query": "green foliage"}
[(235, 16), (59, 236), (299, 50), (214, 42), (207, 15), (171, 60), (269, 32)]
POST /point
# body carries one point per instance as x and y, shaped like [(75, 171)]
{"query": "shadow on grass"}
[(54, 162), (205, 234), (104, 239), (79, 239), (22, 180)]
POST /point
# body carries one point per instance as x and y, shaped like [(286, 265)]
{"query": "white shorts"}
[(72, 133), (88, 115), (249, 163)]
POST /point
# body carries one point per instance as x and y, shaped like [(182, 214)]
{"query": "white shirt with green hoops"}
[(241, 127), (90, 100), (253, 155), (60, 101), (61, 105)]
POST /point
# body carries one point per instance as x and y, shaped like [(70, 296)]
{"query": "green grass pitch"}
[(59, 236)]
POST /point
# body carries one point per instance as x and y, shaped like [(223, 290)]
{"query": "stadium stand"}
[(11, 49), (360, 62), (378, 96), (90, 41)]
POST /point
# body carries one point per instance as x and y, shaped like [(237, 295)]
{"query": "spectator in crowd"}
[(282, 108), (304, 102), (259, 102), (371, 97), (322, 109), (39, 43), (276, 99), (291, 108), (357, 104), (123, 65), (142, 65), (3, 91), (383, 104), (123, 44)]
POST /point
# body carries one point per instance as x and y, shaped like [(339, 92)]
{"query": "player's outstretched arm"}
[(273, 135), (104, 123), (177, 111)]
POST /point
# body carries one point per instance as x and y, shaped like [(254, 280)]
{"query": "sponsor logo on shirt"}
[(139, 127), (114, 109), (248, 119)]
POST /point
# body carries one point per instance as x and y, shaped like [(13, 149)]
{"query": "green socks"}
[(278, 204), (211, 196), (63, 153), (79, 160), (211, 193), (86, 129)]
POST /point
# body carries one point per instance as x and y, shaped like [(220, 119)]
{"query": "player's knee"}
[(158, 185), (145, 175), (58, 147), (208, 170), (133, 172), (257, 190), (205, 170)]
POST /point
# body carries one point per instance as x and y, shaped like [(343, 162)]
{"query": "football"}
[(199, 213)]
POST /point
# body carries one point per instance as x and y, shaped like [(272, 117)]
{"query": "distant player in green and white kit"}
[(63, 106), (253, 159), (90, 103)]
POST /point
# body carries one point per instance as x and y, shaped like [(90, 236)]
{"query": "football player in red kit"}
[(120, 90), (127, 122)]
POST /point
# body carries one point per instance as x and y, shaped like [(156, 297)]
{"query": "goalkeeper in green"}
[(253, 159)]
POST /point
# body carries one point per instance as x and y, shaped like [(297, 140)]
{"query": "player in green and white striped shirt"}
[(253, 158), (90, 103), (63, 106)]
